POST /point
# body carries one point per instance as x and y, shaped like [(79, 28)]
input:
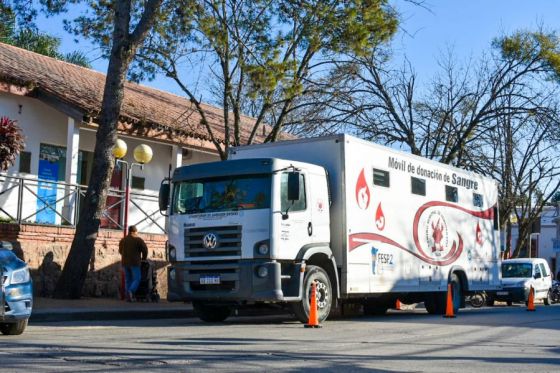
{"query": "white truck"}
[(368, 224)]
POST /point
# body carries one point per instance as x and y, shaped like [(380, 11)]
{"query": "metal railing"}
[(21, 201)]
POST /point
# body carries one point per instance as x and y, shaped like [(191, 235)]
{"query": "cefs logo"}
[(362, 191), (210, 241), (437, 234)]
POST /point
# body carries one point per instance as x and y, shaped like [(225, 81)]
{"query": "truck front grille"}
[(228, 241), (228, 272)]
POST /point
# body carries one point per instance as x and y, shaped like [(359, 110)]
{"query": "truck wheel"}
[(457, 293), (13, 328), (323, 292), (435, 303), (211, 313)]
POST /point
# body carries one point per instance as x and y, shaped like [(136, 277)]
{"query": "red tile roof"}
[(143, 107)]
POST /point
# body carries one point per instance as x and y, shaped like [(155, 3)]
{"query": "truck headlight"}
[(263, 249), (262, 271), (20, 276), (172, 253)]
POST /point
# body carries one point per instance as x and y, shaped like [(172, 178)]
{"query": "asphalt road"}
[(498, 339)]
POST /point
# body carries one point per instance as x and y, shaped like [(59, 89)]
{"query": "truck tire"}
[(436, 303), (13, 328), (324, 295), (211, 313)]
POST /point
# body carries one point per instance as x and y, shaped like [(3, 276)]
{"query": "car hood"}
[(10, 261)]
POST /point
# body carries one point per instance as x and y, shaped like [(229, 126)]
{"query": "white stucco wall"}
[(547, 234), (43, 124)]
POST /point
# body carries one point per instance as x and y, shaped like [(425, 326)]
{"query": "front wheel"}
[(323, 292), (548, 299), (211, 313), (13, 328)]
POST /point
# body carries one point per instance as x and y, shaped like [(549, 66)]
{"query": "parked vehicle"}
[(368, 224), (519, 275), (16, 294)]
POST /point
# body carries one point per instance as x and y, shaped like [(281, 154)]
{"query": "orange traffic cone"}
[(313, 317), (531, 301), (398, 305), (449, 309)]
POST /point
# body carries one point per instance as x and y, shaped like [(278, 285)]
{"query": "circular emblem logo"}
[(210, 241), (437, 234)]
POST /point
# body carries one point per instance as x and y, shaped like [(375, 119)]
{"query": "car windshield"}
[(222, 194), (524, 270)]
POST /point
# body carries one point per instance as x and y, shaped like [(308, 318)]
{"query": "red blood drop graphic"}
[(379, 218), (362, 191), (478, 234)]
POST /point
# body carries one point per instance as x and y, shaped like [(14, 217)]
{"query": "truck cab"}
[(240, 232)]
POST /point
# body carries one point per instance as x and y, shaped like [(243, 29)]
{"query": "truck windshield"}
[(222, 194), (524, 270)]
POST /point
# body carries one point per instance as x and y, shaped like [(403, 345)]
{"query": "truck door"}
[(295, 225)]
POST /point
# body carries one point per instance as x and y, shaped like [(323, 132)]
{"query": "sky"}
[(466, 26)]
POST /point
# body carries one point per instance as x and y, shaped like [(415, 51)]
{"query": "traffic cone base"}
[(449, 313), (313, 317), (531, 301)]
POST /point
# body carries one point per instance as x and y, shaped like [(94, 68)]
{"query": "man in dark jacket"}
[(133, 249)]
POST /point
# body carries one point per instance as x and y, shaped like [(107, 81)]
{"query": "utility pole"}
[(556, 243)]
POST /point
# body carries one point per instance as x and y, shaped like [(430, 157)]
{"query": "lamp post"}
[(142, 155)]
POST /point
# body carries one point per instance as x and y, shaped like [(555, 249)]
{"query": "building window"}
[(451, 194), (301, 203), (137, 182), (381, 178), (477, 200), (418, 186), (25, 162)]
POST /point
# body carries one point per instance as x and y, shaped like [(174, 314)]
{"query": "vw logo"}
[(210, 241)]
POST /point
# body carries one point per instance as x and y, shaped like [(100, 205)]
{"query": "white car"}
[(519, 275)]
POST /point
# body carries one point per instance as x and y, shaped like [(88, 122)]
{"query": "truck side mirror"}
[(163, 198), (537, 275), (293, 186)]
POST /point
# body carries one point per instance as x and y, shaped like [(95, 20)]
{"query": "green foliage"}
[(260, 54), (532, 48), (28, 37), (11, 142)]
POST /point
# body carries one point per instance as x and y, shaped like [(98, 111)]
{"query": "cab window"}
[(285, 204)]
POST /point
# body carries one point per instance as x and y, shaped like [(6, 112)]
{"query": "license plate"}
[(502, 293), (209, 280)]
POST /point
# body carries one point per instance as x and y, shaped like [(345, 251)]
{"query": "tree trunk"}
[(73, 275)]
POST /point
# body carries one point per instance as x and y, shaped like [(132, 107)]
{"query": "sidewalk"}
[(52, 310)]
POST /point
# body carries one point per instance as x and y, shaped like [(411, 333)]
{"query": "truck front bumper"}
[(237, 281), (16, 302)]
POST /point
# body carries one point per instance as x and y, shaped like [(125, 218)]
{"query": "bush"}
[(11, 142)]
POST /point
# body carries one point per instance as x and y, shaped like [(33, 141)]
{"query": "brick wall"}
[(45, 249)]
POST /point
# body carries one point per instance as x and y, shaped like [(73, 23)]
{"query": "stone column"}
[(176, 157), (71, 177)]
